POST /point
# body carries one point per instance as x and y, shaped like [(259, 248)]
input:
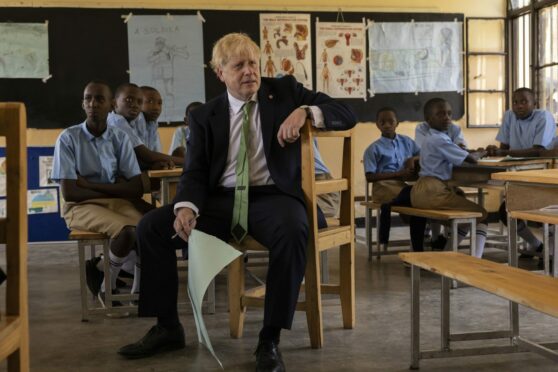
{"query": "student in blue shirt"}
[(181, 135), (151, 110), (127, 116), (101, 185), (454, 133), (438, 155), (525, 131), (388, 163)]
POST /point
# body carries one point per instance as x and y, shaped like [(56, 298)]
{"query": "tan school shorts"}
[(385, 191)]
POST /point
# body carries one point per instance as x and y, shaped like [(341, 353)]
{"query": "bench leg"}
[(415, 317), (445, 313), (378, 245), (546, 252), (82, 281), (324, 267), (368, 231), (512, 261)]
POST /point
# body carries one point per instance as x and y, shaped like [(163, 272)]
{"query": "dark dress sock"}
[(270, 333), (168, 322)]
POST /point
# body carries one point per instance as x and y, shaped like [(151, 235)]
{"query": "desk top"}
[(514, 163), (175, 172), (544, 176), (524, 287)]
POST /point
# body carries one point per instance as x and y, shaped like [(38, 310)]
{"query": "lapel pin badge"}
[(270, 96)]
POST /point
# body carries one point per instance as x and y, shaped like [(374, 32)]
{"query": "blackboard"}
[(86, 44)]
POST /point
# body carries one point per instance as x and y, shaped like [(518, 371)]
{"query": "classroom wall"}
[(330, 148)]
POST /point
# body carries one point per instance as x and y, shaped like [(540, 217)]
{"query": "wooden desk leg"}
[(445, 313), (415, 317), (546, 253), (165, 197)]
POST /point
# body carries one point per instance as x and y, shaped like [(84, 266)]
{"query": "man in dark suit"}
[(252, 127)]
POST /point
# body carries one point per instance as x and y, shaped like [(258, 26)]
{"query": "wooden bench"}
[(91, 240), (451, 217), (519, 286), (546, 218)]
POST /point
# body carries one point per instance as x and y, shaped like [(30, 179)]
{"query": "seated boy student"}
[(454, 132), (151, 109), (181, 135), (388, 163), (438, 155), (100, 181), (525, 131), (127, 116)]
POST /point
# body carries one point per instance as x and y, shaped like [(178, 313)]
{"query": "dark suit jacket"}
[(209, 138)]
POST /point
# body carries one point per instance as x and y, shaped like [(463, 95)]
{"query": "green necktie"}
[(239, 225)]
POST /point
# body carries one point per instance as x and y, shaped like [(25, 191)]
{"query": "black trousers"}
[(416, 224), (276, 220)]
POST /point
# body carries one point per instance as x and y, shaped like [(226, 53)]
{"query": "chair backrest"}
[(13, 228)]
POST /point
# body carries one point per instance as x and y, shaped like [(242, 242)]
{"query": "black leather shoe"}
[(157, 340), (268, 357)]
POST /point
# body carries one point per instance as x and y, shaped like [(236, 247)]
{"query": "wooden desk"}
[(526, 193), (169, 179)]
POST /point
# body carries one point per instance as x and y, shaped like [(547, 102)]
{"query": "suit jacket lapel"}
[(266, 102), (219, 124)]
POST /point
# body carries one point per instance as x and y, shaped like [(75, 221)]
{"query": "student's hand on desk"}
[(289, 131), (163, 164), (184, 223), (493, 150)]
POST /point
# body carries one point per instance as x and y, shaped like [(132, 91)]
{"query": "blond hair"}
[(235, 44)]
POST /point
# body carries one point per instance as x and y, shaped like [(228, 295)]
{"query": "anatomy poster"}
[(166, 52), (415, 57), (340, 59), (286, 45), (23, 50)]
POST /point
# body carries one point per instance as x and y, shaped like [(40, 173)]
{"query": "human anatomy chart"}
[(286, 44), (340, 59), (415, 57), (167, 54)]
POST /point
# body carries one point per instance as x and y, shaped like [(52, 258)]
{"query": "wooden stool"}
[(90, 239)]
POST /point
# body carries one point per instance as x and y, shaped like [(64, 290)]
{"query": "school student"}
[(100, 182), (127, 116), (151, 108), (181, 135), (525, 131), (438, 155), (388, 163)]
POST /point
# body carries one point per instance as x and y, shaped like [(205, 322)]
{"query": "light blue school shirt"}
[(538, 129), (454, 132), (319, 165), (438, 155), (136, 129), (153, 141), (99, 159), (180, 138), (388, 155)]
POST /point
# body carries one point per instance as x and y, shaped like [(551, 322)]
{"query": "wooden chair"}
[(320, 240), (14, 326)]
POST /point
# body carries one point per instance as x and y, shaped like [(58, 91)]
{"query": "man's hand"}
[(410, 164), (184, 223), (478, 154), (289, 131)]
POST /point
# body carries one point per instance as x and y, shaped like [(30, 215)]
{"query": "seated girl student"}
[(528, 132), (438, 156), (181, 136), (388, 163)]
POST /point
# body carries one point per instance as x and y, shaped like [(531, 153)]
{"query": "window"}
[(534, 49), (486, 71)]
